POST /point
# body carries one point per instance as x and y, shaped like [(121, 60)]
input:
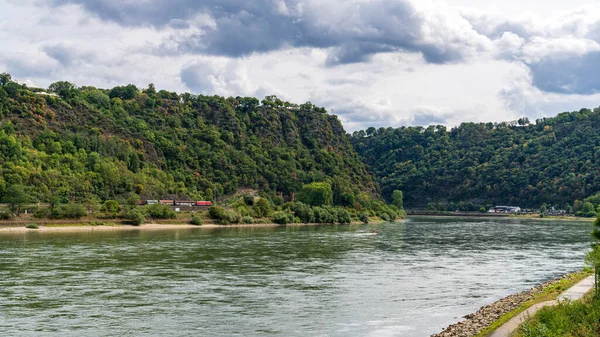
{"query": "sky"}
[(371, 62)]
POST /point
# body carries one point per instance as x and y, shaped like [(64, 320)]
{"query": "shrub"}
[(262, 208), (304, 212), (196, 220), (385, 217), (160, 211), (343, 216), (364, 217), (136, 216), (68, 211), (97, 223), (110, 206), (283, 218), (223, 216), (32, 226), (248, 220), (42, 213), (5, 216)]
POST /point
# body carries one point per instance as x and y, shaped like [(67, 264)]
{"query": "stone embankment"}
[(488, 314)]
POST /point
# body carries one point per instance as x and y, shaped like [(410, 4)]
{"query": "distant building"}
[(506, 209)]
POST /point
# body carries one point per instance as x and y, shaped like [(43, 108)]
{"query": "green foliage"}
[(576, 318), (32, 226), (316, 194), (120, 143), (68, 211), (223, 216), (283, 218), (552, 161), (110, 206), (398, 199), (248, 220), (136, 216), (160, 211), (196, 220), (364, 217), (17, 197), (385, 217), (262, 208)]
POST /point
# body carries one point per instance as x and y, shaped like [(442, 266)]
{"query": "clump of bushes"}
[(283, 218), (5, 216), (385, 217), (364, 217), (68, 211), (223, 216), (135, 216), (32, 226), (160, 211), (196, 220), (248, 220)]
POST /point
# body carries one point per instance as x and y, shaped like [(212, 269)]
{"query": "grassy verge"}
[(83, 224), (549, 293), (578, 318)]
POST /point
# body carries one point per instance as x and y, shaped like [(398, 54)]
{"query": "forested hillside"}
[(554, 161), (74, 143)]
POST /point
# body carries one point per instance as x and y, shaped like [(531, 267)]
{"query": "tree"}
[(262, 208), (316, 194), (63, 89), (397, 199), (17, 197)]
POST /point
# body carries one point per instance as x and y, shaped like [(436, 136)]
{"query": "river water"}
[(410, 279)]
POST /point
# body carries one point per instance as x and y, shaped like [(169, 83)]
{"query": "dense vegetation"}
[(554, 161), (88, 145)]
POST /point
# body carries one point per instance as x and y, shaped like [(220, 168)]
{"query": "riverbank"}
[(492, 316), (86, 227)]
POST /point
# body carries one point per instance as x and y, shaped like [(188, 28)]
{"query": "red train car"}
[(204, 203)]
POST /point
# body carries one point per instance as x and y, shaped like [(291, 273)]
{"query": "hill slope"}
[(555, 161), (126, 143)]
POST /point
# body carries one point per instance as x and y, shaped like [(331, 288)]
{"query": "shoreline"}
[(148, 226), (490, 317)]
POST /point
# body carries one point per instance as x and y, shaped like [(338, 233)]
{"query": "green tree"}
[(398, 199), (16, 196), (110, 206), (316, 194), (262, 208)]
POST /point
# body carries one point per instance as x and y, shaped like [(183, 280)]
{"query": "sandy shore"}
[(150, 226)]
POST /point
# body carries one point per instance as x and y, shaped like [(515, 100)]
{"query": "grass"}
[(32, 226), (549, 293), (577, 318)]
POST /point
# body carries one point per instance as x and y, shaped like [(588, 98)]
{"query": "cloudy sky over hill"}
[(377, 62)]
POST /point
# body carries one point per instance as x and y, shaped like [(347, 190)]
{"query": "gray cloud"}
[(568, 75), (239, 28), (60, 53)]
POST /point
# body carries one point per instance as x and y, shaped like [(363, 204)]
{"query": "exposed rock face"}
[(488, 314)]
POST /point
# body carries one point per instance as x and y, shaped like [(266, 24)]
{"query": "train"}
[(189, 203)]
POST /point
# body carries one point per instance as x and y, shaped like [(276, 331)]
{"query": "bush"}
[(68, 211), (32, 226), (223, 216), (283, 218), (385, 217), (364, 217), (248, 220), (136, 216), (196, 220), (97, 223), (304, 212), (343, 216), (110, 206), (262, 208), (5, 216), (42, 213), (160, 211)]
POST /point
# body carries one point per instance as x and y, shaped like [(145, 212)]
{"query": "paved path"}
[(574, 293)]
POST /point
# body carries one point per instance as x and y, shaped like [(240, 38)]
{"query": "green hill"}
[(554, 161), (125, 143)]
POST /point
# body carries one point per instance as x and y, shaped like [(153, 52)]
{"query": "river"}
[(410, 279)]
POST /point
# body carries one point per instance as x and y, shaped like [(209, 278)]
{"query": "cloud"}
[(568, 75), (353, 31)]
